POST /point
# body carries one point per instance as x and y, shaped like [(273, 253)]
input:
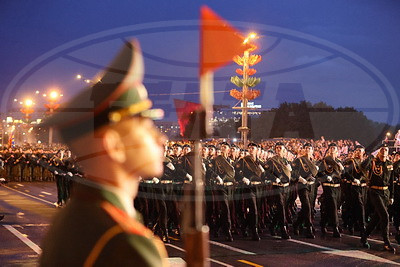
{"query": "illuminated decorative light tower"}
[(53, 98), (27, 109), (246, 82)]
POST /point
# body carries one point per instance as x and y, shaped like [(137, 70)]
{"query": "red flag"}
[(219, 41), (184, 110)]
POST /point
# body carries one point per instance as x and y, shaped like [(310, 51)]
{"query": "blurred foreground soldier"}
[(380, 193), (304, 172), (109, 127)]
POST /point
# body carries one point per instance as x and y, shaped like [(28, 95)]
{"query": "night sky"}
[(345, 53)]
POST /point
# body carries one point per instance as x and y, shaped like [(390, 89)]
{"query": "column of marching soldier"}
[(247, 195), (250, 191), (27, 165)]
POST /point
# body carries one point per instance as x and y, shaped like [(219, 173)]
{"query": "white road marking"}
[(212, 260), (176, 262), (20, 184), (347, 253), (361, 255), (232, 248), (46, 193), (45, 201), (369, 239), (23, 238)]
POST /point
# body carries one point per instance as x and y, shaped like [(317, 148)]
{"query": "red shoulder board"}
[(127, 223)]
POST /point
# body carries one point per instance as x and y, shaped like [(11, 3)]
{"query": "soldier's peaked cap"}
[(307, 145), (359, 147), (279, 144), (252, 144), (332, 144), (119, 93), (224, 144)]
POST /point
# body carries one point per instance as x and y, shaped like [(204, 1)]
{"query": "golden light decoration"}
[(250, 94)]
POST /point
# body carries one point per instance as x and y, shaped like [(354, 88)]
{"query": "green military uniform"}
[(94, 229)]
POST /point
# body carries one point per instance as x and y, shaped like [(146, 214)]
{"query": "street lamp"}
[(27, 108), (53, 97), (86, 80)]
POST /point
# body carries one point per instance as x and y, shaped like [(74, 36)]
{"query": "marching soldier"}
[(249, 174), (380, 194), (331, 170), (358, 178), (396, 194), (304, 172), (278, 174), (225, 189)]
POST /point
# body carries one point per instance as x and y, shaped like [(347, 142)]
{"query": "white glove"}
[(189, 177), (341, 166), (277, 180), (358, 182), (391, 201), (171, 166), (302, 180), (329, 178), (156, 180), (317, 168), (261, 168), (69, 174), (219, 180), (289, 167), (246, 181), (204, 166), (55, 172)]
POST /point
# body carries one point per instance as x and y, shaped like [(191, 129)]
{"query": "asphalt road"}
[(29, 208)]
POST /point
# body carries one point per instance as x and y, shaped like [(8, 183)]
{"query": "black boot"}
[(272, 230), (165, 237), (296, 229), (323, 230), (336, 233), (364, 241), (229, 237), (389, 248), (285, 233), (309, 233), (255, 236)]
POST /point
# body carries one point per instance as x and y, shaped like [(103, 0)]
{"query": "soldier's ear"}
[(114, 146)]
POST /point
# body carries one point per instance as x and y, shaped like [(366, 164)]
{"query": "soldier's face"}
[(177, 151), (225, 149), (144, 149), (396, 157), (280, 151), (186, 150), (253, 150), (309, 150), (204, 150), (334, 151), (358, 152), (384, 151)]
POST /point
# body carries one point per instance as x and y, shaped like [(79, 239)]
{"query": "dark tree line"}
[(311, 121)]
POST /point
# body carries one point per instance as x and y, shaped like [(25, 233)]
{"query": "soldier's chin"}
[(153, 170)]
